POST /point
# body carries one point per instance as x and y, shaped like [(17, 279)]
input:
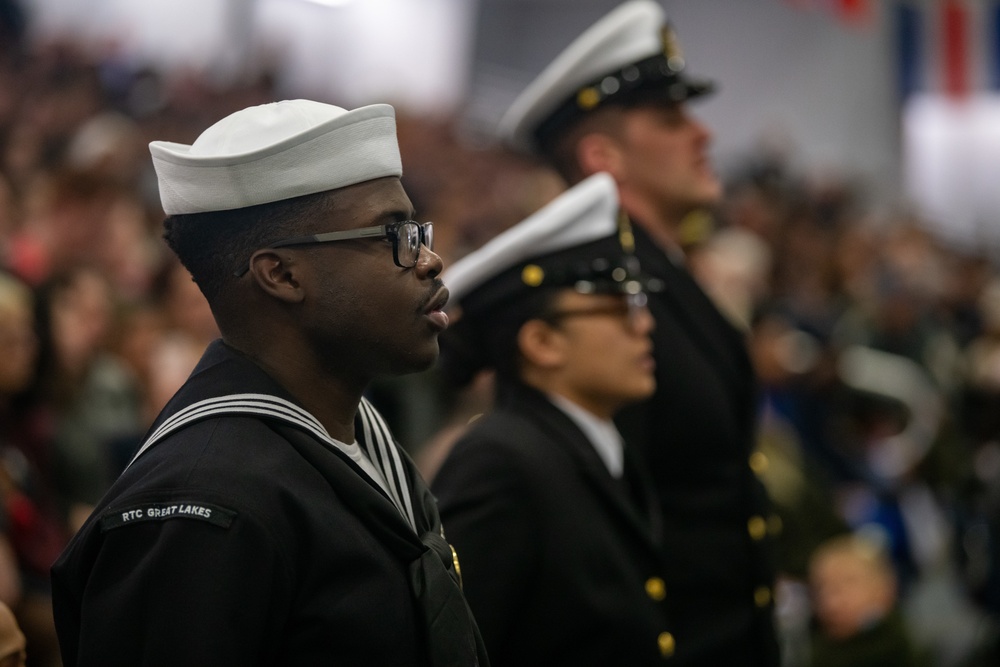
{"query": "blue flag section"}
[(908, 45), (950, 47), (994, 47)]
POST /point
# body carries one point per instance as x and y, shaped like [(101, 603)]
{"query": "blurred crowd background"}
[(877, 343)]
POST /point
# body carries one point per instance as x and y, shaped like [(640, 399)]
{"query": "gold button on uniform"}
[(656, 589), (757, 527), (667, 644), (458, 566), (762, 596), (759, 462)]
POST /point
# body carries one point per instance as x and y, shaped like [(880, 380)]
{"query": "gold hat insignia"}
[(588, 98), (532, 275), (671, 47)]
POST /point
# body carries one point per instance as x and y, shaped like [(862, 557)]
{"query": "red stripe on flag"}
[(955, 28), (853, 11)]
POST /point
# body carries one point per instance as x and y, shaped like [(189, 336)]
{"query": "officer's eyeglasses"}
[(625, 308), (407, 238)]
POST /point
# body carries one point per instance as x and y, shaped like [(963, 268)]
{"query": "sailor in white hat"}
[(573, 243), (615, 100), (269, 517), (629, 56), (551, 511)]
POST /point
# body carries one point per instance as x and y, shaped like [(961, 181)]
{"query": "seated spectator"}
[(92, 397), (32, 532), (13, 646), (17, 364), (858, 620)]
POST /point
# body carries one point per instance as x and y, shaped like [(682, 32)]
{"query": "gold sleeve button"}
[(458, 566), (757, 527), (656, 589), (759, 462), (762, 596), (667, 644)]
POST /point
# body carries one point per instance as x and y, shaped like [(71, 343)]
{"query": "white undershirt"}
[(601, 433), (358, 456)]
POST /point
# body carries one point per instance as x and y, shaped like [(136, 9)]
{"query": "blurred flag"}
[(993, 38), (951, 47), (855, 13), (852, 12), (954, 26), (909, 47)]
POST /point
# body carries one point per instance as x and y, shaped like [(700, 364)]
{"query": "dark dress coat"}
[(242, 539), (697, 433), (885, 643), (558, 558)]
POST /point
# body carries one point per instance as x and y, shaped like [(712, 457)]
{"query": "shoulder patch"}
[(208, 512)]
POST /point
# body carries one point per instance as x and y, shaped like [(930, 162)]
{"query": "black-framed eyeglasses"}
[(626, 308), (407, 238)]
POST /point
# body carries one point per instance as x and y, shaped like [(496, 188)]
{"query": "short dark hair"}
[(559, 150), (489, 340), (213, 246)]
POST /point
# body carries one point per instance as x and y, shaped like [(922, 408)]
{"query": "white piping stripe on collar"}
[(275, 406), (280, 407), (272, 406), (380, 446)]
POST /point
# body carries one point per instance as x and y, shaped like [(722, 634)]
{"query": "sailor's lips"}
[(435, 310)]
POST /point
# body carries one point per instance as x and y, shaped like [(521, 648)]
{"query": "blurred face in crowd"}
[(19, 345), (357, 300), (664, 161), (593, 349), (187, 307), (82, 311), (850, 591), (13, 644)]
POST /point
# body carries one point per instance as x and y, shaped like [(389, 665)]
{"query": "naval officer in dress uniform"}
[(553, 516), (615, 100), (270, 518)]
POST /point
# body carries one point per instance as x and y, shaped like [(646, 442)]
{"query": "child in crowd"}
[(858, 621)]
